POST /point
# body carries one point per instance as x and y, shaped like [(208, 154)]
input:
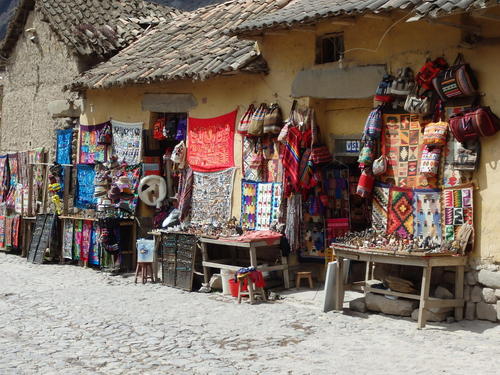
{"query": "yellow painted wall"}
[(408, 44)]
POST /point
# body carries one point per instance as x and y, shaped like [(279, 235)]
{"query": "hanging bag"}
[(380, 165), (474, 123), (418, 104), (245, 120), (256, 127), (320, 154), (435, 134), (373, 125), (404, 82), (273, 120), (429, 163), (365, 183), (429, 71), (288, 123), (365, 157), (457, 81)]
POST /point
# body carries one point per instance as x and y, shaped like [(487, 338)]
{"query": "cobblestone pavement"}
[(69, 320)]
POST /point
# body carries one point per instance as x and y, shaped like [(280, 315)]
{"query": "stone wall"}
[(34, 77), (482, 293)]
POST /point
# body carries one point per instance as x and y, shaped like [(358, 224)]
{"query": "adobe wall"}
[(408, 44), (34, 77)]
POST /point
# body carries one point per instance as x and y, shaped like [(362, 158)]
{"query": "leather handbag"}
[(245, 120), (457, 81), (474, 123)]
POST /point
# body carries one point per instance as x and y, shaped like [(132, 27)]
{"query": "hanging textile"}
[(248, 204), (85, 240), (185, 192), (380, 203), (211, 143), (64, 139), (127, 141), (90, 149), (403, 145), (2, 232), (400, 212), (264, 206), (4, 178), (276, 202), (272, 163), (93, 247), (453, 176), (212, 196), (252, 172), (14, 177), (290, 160), (37, 156), (85, 186), (8, 231), (16, 226), (427, 214), (133, 173), (293, 222), (458, 209), (67, 244), (77, 244)]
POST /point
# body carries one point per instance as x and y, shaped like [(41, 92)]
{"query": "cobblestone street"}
[(70, 320)]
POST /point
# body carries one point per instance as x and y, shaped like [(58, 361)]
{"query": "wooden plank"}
[(221, 266), (391, 293), (339, 284), (260, 243), (67, 175), (35, 240), (438, 302), (424, 296)]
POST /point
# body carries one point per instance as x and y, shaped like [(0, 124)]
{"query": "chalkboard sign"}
[(42, 237), (178, 253)]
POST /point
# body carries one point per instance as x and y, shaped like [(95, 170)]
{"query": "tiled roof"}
[(310, 11), (192, 46), (90, 27)]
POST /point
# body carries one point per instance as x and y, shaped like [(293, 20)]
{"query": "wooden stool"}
[(303, 275), (252, 291), (146, 269)]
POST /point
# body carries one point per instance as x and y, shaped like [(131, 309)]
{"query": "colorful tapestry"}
[(272, 163), (14, 177), (211, 143), (264, 205), (403, 144), (427, 214), (93, 248), (290, 160), (248, 204), (458, 209), (276, 202), (185, 192), (23, 166), (451, 176), (64, 139), (400, 212), (90, 151), (251, 146), (86, 240), (134, 175), (77, 242), (84, 197), (67, 245), (37, 156), (127, 141), (8, 231), (4, 178), (212, 197), (380, 203)]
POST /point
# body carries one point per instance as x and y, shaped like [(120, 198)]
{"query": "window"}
[(329, 48)]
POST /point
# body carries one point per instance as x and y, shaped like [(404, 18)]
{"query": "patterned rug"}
[(379, 207), (212, 196), (248, 204), (250, 146), (427, 212), (403, 144), (400, 212), (127, 141), (458, 209), (67, 245), (90, 150)]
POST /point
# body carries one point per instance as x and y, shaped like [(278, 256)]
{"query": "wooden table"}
[(252, 249), (427, 262)]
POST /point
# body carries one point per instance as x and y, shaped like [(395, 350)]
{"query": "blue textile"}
[(64, 140), (85, 186)]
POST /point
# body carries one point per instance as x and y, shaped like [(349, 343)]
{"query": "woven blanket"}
[(403, 145), (37, 156), (77, 242), (264, 205), (185, 192), (14, 178), (248, 204), (8, 231), (16, 226), (64, 139), (380, 203), (93, 247), (84, 197), (212, 196), (67, 245), (90, 150), (457, 209), (400, 212), (211, 143), (427, 213), (260, 204), (127, 141), (2, 232)]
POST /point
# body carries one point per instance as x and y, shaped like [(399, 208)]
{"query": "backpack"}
[(429, 71)]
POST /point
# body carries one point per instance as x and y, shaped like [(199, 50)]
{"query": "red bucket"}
[(233, 287)]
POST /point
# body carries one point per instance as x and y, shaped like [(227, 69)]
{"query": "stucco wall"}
[(34, 77), (408, 44)]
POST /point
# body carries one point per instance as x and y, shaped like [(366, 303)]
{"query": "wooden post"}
[(424, 296), (459, 291), (67, 172), (253, 256), (286, 272), (30, 190), (204, 255), (45, 190)]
